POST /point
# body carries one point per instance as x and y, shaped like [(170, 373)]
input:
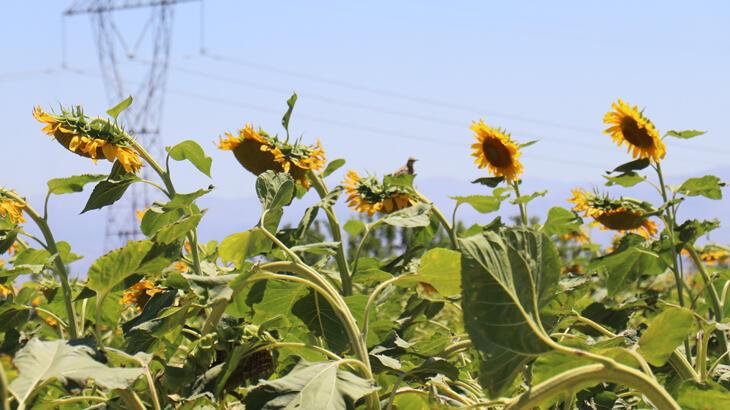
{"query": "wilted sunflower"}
[(623, 214), (629, 126), (496, 151), (89, 137), (259, 152), (11, 209), (139, 294), (371, 196)]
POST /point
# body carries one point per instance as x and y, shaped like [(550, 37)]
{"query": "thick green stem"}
[(522, 205), (336, 230), (58, 264), (442, 218), (717, 309), (593, 374), (669, 221)]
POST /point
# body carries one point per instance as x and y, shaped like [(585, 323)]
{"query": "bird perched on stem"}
[(406, 169)]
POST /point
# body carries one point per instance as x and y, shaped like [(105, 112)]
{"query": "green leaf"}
[(354, 227), (275, 190), (528, 143), (333, 166), (481, 203), (110, 190), (510, 275), (239, 246), (440, 268), (686, 134), (39, 362), (690, 230), (117, 109), (321, 319), (666, 331), (368, 272), (155, 218), (185, 200), (626, 264), (176, 230), (277, 299), (290, 107), (193, 152), (72, 184), (635, 165), (402, 180), (111, 269), (320, 385), (412, 217), (707, 396), (626, 180), (523, 199), (491, 182), (708, 186), (561, 221)]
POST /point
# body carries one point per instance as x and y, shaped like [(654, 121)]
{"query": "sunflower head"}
[(11, 209), (259, 152), (5, 291), (715, 255), (623, 214), (89, 137), (496, 151), (368, 195), (139, 294), (578, 236), (627, 125)]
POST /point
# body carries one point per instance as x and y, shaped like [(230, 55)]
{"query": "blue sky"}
[(380, 81)]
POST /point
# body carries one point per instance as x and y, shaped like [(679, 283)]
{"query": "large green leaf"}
[(176, 230), (239, 246), (440, 268), (321, 385), (561, 221), (111, 269), (708, 186), (322, 321), (667, 331), (275, 190), (412, 217), (627, 263), (481, 203), (510, 276), (708, 396), (72, 184), (39, 362), (111, 189), (193, 152)]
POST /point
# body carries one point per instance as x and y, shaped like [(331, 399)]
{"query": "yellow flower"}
[(496, 151), (139, 294), (91, 138), (259, 152), (577, 236), (11, 209), (629, 126), (5, 291), (369, 196), (623, 215), (714, 255), (181, 266)]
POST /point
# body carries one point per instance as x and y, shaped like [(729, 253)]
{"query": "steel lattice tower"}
[(151, 47)]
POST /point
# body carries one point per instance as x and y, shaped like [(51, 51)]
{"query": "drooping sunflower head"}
[(93, 138), (259, 152), (11, 209), (496, 151), (715, 255), (368, 195), (627, 125), (623, 214), (139, 294)]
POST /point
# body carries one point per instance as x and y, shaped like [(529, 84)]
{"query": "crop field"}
[(394, 305)]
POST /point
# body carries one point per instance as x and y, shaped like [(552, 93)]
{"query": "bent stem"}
[(58, 264), (591, 374), (442, 218), (336, 230), (170, 192)]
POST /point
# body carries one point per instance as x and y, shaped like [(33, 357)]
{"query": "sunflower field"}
[(402, 307)]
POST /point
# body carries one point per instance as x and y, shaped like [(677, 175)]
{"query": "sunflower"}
[(623, 214), (368, 195), (11, 209), (629, 126), (496, 151), (714, 255), (577, 236), (89, 137), (259, 152), (139, 294), (5, 291)]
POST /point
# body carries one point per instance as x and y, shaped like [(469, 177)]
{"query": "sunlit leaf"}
[(708, 186), (193, 152), (686, 134), (72, 184), (119, 108), (665, 333)]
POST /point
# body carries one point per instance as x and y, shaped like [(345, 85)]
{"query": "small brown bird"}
[(406, 169)]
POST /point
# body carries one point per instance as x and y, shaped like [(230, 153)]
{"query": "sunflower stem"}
[(58, 264), (336, 230), (522, 205), (442, 218)]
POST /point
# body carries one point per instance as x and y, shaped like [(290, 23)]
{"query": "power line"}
[(429, 101)]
